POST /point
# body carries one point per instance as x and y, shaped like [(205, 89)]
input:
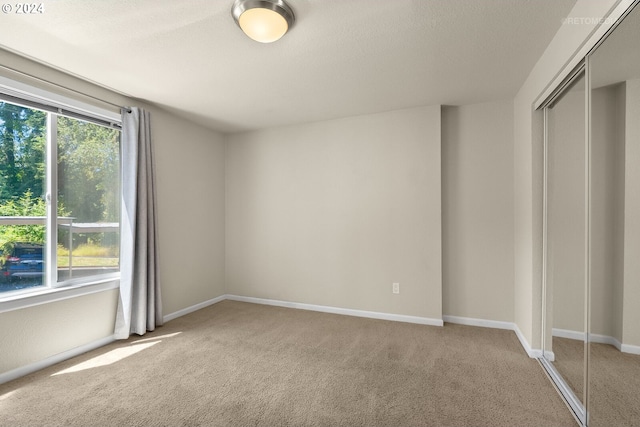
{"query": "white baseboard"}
[(550, 356), (534, 353), (568, 334), (25, 370), (41, 364), (52, 360), (337, 310), (631, 349), (597, 338), (483, 323), (605, 339), (495, 324), (193, 308)]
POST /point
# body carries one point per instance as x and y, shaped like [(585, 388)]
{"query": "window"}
[(59, 197)]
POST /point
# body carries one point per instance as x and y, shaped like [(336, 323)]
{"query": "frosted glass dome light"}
[(264, 21)]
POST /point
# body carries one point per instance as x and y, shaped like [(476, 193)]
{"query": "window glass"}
[(87, 198), (22, 206)]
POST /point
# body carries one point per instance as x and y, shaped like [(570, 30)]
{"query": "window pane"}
[(22, 206), (88, 199)]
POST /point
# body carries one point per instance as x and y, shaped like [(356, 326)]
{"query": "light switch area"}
[(396, 288)]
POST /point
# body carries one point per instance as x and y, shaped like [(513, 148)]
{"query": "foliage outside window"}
[(87, 200)]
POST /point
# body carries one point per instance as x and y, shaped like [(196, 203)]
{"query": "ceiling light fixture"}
[(264, 21)]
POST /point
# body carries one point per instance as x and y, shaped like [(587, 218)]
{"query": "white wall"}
[(631, 304), (32, 334), (477, 211), (332, 213), (190, 172)]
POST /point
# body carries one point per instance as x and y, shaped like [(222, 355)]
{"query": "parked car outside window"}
[(22, 261)]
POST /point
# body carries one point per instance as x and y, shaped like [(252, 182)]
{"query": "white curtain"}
[(140, 304)]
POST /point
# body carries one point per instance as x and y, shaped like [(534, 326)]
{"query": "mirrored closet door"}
[(591, 261), (566, 238), (614, 334)]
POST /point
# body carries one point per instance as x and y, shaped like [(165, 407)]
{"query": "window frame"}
[(55, 105)]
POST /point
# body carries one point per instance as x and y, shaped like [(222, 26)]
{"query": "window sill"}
[(48, 295)]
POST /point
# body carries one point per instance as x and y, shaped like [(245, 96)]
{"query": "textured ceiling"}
[(342, 57)]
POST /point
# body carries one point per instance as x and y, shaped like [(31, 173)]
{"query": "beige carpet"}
[(614, 387), (569, 362), (238, 364), (614, 383)]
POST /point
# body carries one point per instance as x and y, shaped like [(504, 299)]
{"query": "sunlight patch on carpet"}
[(159, 337), (7, 394), (108, 358)]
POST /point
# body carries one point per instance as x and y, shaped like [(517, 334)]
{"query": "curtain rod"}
[(40, 79)]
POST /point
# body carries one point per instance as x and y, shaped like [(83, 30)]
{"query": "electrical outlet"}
[(396, 288)]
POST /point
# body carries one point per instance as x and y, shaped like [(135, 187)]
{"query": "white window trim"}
[(34, 94), (16, 300), (51, 241)]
